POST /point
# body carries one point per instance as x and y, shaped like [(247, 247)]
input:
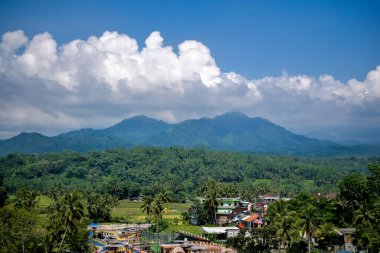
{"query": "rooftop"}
[(218, 230)]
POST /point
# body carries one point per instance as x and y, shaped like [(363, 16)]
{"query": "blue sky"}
[(310, 66), (254, 38)]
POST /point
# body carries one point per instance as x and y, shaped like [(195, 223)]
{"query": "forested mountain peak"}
[(232, 131), (138, 121)]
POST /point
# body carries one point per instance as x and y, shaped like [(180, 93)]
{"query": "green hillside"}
[(130, 173), (229, 132)]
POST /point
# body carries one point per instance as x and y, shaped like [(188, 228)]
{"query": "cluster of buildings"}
[(236, 211), (118, 238), (128, 239), (232, 214)]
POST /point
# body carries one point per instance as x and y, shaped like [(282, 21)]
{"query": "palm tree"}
[(211, 203), (285, 226), (69, 212), (206, 187), (147, 206), (277, 210), (327, 233), (56, 191), (365, 216), (158, 209), (27, 199), (158, 204), (309, 223), (163, 196), (116, 188)]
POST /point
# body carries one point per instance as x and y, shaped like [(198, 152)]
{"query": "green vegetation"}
[(47, 200), (131, 210), (184, 227), (144, 171), (231, 131), (357, 206)]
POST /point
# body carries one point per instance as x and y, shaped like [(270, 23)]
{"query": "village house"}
[(225, 208)]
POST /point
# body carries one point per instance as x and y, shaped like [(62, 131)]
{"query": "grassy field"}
[(184, 227), (44, 201), (127, 208), (132, 210)]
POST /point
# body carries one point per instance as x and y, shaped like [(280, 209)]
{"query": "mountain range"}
[(231, 131)]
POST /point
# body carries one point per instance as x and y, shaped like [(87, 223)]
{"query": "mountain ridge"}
[(232, 131)]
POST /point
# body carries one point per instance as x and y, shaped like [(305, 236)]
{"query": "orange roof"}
[(251, 217)]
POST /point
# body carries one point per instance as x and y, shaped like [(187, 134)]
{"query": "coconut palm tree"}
[(309, 222), (116, 188), (277, 210), (365, 215), (147, 206), (56, 191), (26, 198), (206, 187), (327, 234), (163, 196), (69, 212), (211, 204), (285, 226)]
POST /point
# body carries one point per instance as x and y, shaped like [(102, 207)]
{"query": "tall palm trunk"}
[(63, 238)]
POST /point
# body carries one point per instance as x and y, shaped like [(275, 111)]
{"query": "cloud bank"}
[(96, 82)]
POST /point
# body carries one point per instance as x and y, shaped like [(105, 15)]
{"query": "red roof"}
[(251, 217)]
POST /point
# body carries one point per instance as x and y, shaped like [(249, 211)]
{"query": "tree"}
[(277, 210), (309, 222), (18, 230), (158, 205), (374, 179), (100, 206), (365, 216), (116, 188), (26, 198), (211, 193), (3, 193), (147, 206), (69, 214), (56, 191), (285, 227), (327, 235), (240, 241), (353, 189)]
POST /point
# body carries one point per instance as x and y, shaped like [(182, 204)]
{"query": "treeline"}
[(60, 226), (317, 219), (130, 173)]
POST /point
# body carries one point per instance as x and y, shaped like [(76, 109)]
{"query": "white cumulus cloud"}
[(98, 81)]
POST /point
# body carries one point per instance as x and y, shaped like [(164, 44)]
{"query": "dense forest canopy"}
[(129, 173)]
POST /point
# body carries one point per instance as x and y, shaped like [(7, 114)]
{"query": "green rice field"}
[(132, 210)]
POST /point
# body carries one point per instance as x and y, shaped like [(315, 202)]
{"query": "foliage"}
[(27, 199), (3, 193), (100, 206), (357, 205), (231, 131), (257, 240), (164, 174), (18, 230), (68, 221), (130, 173)]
